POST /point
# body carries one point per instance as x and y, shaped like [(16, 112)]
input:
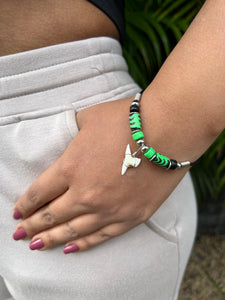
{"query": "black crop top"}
[(114, 9)]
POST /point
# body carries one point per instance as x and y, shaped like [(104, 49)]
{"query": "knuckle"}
[(33, 197), (104, 235), (142, 215), (115, 210), (117, 229), (67, 168), (47, 217), (86, 243), (70, 231), (90, 199), (49, 240)]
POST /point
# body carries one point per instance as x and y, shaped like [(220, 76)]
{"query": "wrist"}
[(172, 131)]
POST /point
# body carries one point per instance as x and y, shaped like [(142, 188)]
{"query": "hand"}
[(82, 199)]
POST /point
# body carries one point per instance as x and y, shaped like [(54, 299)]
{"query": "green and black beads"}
[(157, 158), (135, 121), (149, 152), (137, 134)]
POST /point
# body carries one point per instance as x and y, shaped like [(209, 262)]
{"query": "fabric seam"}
[(58, 64), (68, 126), (43, 114), (54, 88), (178, 260)]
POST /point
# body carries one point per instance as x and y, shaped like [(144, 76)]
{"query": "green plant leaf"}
[(161, 32), (143, 26)]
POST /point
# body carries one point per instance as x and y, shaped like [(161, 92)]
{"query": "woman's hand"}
[(83, 199)]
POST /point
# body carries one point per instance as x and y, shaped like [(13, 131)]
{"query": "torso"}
[(31, 24)]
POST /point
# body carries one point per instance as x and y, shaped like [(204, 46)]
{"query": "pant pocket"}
[(163, 221), (71, 122), (179, 207), (32, 142)]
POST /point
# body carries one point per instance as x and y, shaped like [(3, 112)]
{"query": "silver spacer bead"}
[(135, 103), (169, 166), (152, 157), (137, 96), (135, 130), (185, 164), (144, 148), (179, 165), (140, 142)]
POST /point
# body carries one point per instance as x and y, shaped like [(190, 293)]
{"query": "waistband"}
[(63, 73)]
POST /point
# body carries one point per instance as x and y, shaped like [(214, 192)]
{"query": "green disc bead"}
[(135, 121), (150, 153), (161, 160), (138, 135)]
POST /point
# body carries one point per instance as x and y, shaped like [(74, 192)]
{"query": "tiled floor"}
[(205, 274)]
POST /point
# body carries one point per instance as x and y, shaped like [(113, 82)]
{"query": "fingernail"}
[(19, 234), (37, 244), (70, 248), (17, 215)]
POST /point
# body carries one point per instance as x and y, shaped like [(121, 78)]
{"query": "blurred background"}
[(153, 28)]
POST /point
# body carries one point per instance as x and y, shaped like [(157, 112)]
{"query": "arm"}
[(182, 113), (184, 107)]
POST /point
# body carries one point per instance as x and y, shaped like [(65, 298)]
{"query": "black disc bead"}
[(173, 164), (133, 129), (134, 108)]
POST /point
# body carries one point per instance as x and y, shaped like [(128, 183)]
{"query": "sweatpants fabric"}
[(40, 92)]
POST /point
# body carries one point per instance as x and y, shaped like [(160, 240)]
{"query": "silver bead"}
[(154, 156), (185, 164), (135, 103), (133, 131), (144, 148), (179, 165), (137, 96), (140, 142), (169, 165)]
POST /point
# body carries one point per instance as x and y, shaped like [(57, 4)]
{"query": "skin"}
[(185, 103), (31, 24)]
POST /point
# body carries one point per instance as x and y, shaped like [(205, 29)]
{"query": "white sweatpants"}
[(40, 90)]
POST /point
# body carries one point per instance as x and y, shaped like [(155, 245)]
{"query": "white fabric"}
[(40, 90)]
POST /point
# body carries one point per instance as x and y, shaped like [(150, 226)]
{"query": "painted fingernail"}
[(37, 244), (70, 248), (17, 215), (19, 234)]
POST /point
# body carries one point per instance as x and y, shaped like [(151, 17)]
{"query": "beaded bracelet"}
[(149, 152)]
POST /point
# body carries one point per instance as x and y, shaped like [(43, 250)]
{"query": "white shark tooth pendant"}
[(130, 160)]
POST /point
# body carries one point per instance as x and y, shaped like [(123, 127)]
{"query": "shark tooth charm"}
[(130, 160)]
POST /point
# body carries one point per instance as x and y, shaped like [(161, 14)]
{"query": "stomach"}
[(31, 24)]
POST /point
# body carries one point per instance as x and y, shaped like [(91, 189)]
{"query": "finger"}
[(67, 231), (47, 187), (58, 211), (96, 238)]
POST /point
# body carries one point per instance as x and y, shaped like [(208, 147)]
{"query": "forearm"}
[(183, 109)]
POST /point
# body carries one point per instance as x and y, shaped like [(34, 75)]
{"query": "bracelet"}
[(130, 160)]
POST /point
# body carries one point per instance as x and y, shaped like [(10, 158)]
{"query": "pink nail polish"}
[(70, 248), (37, 244), (19, 234), (17, 215)]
